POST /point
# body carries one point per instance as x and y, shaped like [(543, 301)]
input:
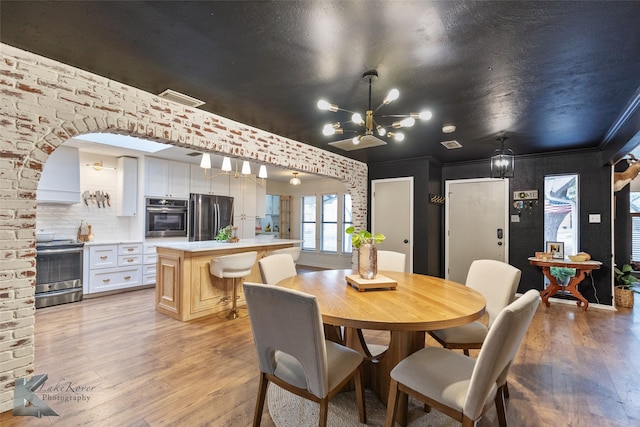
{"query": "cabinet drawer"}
[(125, 260), (103, 256), (149, 279), (150, 259), (129, 248), (149, 269), (102, 280)]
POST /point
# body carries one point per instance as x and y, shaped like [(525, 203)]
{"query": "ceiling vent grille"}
[(194, 154), (451, 145), (181, 98)]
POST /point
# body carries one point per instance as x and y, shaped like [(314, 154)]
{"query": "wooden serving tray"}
[(379, 282)]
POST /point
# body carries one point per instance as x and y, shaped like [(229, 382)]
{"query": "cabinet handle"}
[(106, 280), (127, 277), (130, 260), (130, 249), (103, 257)]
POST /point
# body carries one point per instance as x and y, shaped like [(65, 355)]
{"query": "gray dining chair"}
[(292, 350), (274, 268), (459, 386), (497, 282)]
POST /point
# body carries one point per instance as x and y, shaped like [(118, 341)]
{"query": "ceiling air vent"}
[(194, 154), (450, 145), (181, 98)]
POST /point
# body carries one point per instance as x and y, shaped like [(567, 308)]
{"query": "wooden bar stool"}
[(233, 267)]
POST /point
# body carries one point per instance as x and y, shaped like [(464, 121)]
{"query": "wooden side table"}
[(582, 269)]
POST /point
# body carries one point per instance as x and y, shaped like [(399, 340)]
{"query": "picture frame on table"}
[(556, 249)]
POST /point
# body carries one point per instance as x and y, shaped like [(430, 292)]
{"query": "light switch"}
[(594, 218)]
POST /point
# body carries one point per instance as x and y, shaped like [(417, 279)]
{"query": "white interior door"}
[(476, 224), (392, 215)]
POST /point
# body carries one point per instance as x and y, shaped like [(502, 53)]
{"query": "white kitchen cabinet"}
[(166, 178), (201, 185), (113, 266), (127, 175), (261, 201), (246, 226), (243, 191), (60, 179), (149, 262)]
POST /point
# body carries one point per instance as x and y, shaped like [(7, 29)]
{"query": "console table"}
[(582, 269)]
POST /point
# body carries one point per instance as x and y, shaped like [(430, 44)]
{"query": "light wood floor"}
[(574, 368)]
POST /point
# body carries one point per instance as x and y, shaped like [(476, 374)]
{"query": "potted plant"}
[(364, 242), (626, 286), (228, 234)]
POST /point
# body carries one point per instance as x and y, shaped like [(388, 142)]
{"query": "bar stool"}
[(294, 252), (233, 267)]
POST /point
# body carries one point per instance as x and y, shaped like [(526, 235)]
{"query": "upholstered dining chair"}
[(294, 252), (459, 386), (387, 261), (292, 350), (391, 261), (274, 268), (497, 282)]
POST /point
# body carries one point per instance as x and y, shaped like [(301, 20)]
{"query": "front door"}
[(476, 224)]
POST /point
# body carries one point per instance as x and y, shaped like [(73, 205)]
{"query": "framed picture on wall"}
[(556, 249)]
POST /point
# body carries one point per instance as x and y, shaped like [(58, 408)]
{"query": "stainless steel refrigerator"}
[(207, 215)]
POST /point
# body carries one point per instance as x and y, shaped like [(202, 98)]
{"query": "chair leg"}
[(392, 403), (465, 351), (324, 412), (505, 389), (262, 394), (233, 314), (362, 410), (501, 408)]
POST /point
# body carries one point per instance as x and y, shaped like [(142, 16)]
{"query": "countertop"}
[(212, 245)]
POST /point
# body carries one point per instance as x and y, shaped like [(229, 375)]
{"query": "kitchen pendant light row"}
[(245, 171)]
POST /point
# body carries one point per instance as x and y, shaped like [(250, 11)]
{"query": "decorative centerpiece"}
[(228, 234), (626, 285), (365, 243)]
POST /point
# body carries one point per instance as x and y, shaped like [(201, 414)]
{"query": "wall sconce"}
[(295, 180), (502, 161), (98, 166), (245, 172)]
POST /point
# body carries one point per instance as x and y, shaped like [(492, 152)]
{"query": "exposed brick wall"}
[(42, 104)]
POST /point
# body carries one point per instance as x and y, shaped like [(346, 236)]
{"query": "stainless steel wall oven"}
[(166, 218), (58, 272)]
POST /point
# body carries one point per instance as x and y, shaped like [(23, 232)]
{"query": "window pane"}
[(561, 211), (309, 222), (635, 238), (634, 202), (329, 239), (348, 222)]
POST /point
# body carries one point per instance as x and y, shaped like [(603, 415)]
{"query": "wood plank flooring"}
[(146, 369)]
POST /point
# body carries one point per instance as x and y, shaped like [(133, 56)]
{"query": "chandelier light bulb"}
[(398, 136), (328, 129), (381, 131), (408, 122), (425, 115), (356, 140), (324, 105), (392, 96), (357, 118)]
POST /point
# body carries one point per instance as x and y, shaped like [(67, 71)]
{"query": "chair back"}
[(391, 261), (289, 321), (294, 252), (496, 281), (233, 266), (499, 349), (274, 268)]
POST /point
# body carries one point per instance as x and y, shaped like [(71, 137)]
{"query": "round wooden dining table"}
[(417, 304)]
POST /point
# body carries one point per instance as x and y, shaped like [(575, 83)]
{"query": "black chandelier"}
[(502, 161), (365, 127)]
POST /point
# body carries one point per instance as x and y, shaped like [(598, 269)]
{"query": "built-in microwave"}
[(166, 218)]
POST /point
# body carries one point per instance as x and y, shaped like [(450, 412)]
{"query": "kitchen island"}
[(185, 290)]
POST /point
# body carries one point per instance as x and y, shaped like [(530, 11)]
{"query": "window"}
[(561, 211), (347, 221), (634, 204), (329, 233), (309, 222)]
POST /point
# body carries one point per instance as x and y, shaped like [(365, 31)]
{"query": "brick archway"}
[(44, 104)]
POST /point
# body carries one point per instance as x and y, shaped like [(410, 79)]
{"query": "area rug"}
[(289, 410)]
